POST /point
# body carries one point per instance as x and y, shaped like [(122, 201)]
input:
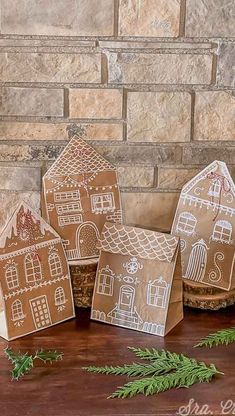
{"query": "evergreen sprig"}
[(223, 337), (23, 363), (167, 370)]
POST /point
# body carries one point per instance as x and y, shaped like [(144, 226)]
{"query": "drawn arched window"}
[(157, 293), (222, 231), (11, 275), (186, 223), (105, 281), (17, 310), (33, 268), (59, 296), (55, 264), (214, 189)]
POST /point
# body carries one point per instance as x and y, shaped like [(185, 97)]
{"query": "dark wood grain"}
[(63, 389)]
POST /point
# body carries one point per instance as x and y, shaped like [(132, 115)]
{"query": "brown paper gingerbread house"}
[(205, 223), (35, 287), (80, 192), (138, 282)]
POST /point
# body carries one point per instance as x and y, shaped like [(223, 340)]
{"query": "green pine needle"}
[(223, 337), (183, 377), (161, 356), (167, 370), (23, 363), (135, 369)]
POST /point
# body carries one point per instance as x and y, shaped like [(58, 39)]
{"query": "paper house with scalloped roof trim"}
[(80, 193), (205, 223), (35, 287), (138, 282)]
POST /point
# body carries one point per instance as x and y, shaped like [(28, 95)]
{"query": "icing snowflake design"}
[(132, 266)]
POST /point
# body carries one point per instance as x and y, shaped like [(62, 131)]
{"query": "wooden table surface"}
[(63, 389)]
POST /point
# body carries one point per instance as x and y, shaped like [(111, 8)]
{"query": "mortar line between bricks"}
[(120, 38), (66, 103), (133, 86), (182, 18), (116, 17), (120, 143), (193, 98)]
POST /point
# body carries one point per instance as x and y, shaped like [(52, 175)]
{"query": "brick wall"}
[(149, 82)]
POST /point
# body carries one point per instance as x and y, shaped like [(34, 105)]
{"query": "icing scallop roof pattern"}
[(78, 157), (120, 239)]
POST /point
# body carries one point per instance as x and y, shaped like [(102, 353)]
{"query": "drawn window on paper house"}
[(33, 269), (59, 296), (186, 223), (157, 293), (105, 282), (197, 261), (66, 196), (102, 203), (67, 208), (17, 310), (222, 231), (55, 264), (11, 275), (215, 189), (70, 219)]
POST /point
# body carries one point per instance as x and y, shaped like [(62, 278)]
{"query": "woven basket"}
[(197, 295), (83, 280)]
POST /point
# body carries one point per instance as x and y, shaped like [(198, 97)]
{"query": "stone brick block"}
[(214, 116), (57, 131), (210, 18), (136, 176), (58, 18), (159, 68), (149, 18), (226, 59), (95, 104), (27, 152), (15, 178), (50, 67), (205, 155), (175, 178), (158, 116), (31, 102), (138, 155)]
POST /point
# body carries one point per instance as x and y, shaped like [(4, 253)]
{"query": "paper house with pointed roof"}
[(35, 286), (138, 282), (80, 192), (205, 223)]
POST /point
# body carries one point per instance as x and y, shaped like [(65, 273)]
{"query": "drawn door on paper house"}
[(87, 239), (126, 299), (197, 261), (40, 312)]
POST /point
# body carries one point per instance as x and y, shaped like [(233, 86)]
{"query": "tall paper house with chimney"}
[(205, 223), (80, 192), (35, 287)]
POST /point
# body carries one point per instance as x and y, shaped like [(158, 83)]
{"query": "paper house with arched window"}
[(35, 286), (138, 282), (80, 192), (205, 223)]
